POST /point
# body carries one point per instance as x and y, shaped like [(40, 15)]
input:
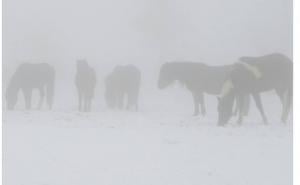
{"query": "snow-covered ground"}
[(141, 148)]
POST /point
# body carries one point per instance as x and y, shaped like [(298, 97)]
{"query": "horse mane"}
[(226, 88)]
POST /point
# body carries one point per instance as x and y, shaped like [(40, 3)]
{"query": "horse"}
[(254, 75), (198, 78), (123, 82), (30, 76), (85, 81)]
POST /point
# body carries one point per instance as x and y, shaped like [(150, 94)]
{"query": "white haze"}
[(144, 33), (162, 143)]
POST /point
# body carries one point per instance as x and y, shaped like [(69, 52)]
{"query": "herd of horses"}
[(231, 84)]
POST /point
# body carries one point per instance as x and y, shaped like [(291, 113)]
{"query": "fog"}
[(144, 33), (159, 141)]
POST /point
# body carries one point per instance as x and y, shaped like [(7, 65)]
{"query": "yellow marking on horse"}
[(227, 86), (253, 69)]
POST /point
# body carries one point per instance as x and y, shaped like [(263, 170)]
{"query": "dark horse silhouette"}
[(28, 77), (85, 81), (123, 82), (253, 75), (199, 78)]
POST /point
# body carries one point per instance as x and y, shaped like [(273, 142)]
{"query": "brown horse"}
[(254, 75), (123, 83), (198, 78), (28, 77), (85, 81)]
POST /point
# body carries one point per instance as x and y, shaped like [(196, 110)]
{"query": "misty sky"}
[(139, 31), (142, 32)]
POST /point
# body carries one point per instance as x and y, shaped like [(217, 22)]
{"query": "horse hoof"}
[(283, 120)]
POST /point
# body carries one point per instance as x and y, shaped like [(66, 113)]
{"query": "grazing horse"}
[(85, 81), (253, 75), (27, 77), (123, 82), (199, 78)]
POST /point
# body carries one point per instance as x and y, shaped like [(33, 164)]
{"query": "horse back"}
[(276, 72), (34, 75)]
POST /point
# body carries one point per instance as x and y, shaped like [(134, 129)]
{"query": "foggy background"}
[(144, 33), (162, 143)]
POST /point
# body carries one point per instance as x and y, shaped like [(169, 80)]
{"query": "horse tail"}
[(287, 103), (288, 95), (50, 88)]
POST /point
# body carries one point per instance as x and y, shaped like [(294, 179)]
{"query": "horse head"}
[(166, 75), (82, 65), (225, 103), (11, 96)]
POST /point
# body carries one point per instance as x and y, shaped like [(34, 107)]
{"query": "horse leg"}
[(286, 106), (85, 103), (89, 104), (49, 87), (259, 105), (120, 99), (129, 101), (117, 102), (285, 99), (280, 94), (202, 103), (244, 107), (246, 100), (132, 102), (27, 96), (136, 102), (42, 96), (282, 97), (196, 104), (79, 101), (236, 109), (240, 104)]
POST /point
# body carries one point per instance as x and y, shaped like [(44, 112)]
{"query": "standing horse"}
[(28, 77), (254, 75), (123, 82), (199, 78), (85, 81)]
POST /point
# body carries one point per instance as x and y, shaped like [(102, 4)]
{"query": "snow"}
[(142, 148)]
